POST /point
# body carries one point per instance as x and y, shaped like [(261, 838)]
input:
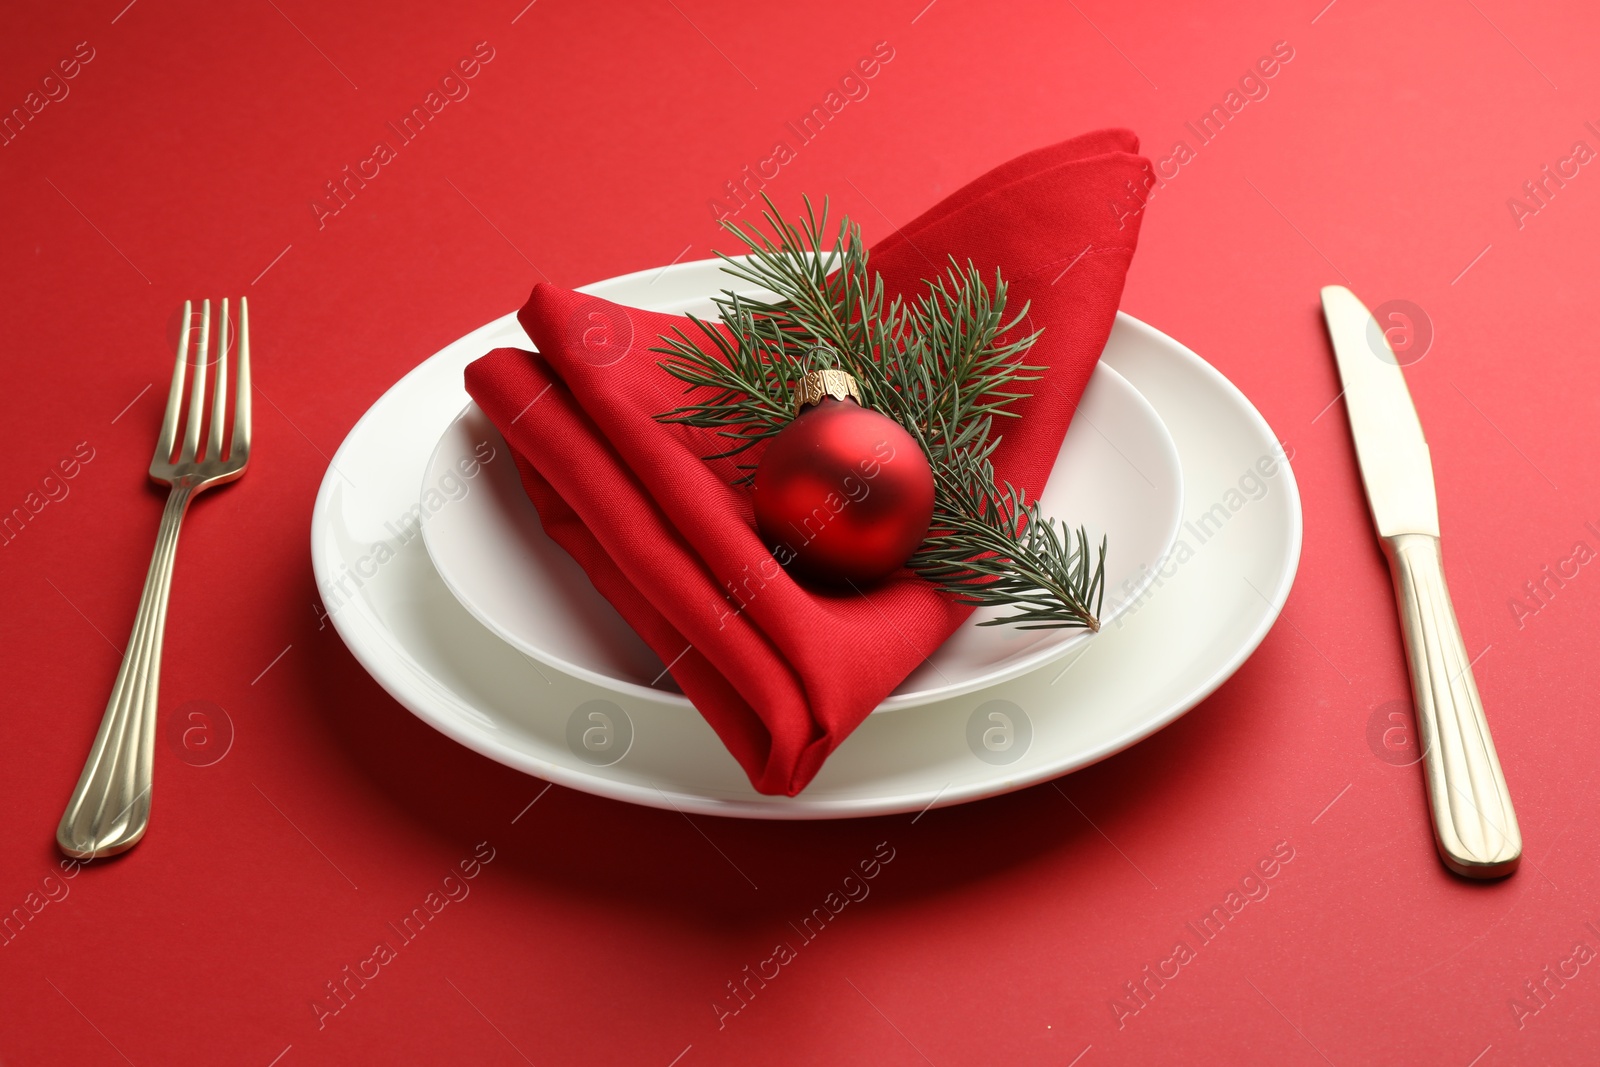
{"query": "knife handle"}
[(1473, 821)]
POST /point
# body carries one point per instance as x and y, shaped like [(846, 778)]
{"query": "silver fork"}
[(110, 809)]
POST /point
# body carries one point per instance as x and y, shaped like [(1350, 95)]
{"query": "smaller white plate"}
[(1117, 473)]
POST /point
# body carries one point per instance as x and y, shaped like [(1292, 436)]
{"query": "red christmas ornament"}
[(842, 494)]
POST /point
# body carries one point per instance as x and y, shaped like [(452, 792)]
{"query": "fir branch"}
[(935, 364), (992, 549)]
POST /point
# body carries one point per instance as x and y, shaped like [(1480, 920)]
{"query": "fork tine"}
[(240, 448), (197, 391), (169, 424), (219, 392)]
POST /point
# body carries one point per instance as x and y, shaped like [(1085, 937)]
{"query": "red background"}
[(182, 165)]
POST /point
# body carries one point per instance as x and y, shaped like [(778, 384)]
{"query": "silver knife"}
[(1473, 822)]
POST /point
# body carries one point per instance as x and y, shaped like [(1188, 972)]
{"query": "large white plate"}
[(1211, 605), (1117, 472)]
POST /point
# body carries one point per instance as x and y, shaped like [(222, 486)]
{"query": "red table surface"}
[(181, 161)]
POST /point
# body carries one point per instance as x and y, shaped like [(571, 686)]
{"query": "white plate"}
[(1117, 473), (1239, 551)]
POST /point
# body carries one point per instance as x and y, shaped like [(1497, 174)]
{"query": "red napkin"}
[(784, 673)]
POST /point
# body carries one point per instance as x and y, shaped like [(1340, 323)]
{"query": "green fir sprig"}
[(935, 364)]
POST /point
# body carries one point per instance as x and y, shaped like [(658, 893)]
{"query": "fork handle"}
[(1473, 821), (110, 809)]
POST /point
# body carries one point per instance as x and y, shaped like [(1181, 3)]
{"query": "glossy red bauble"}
[(843, 494)]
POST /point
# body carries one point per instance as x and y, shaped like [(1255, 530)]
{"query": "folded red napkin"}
[(784, 673)]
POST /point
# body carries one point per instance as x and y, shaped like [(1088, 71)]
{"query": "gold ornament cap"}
[(833, 382)]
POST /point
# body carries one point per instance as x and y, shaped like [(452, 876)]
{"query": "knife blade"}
[(1394, 459), (1475, 826)]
